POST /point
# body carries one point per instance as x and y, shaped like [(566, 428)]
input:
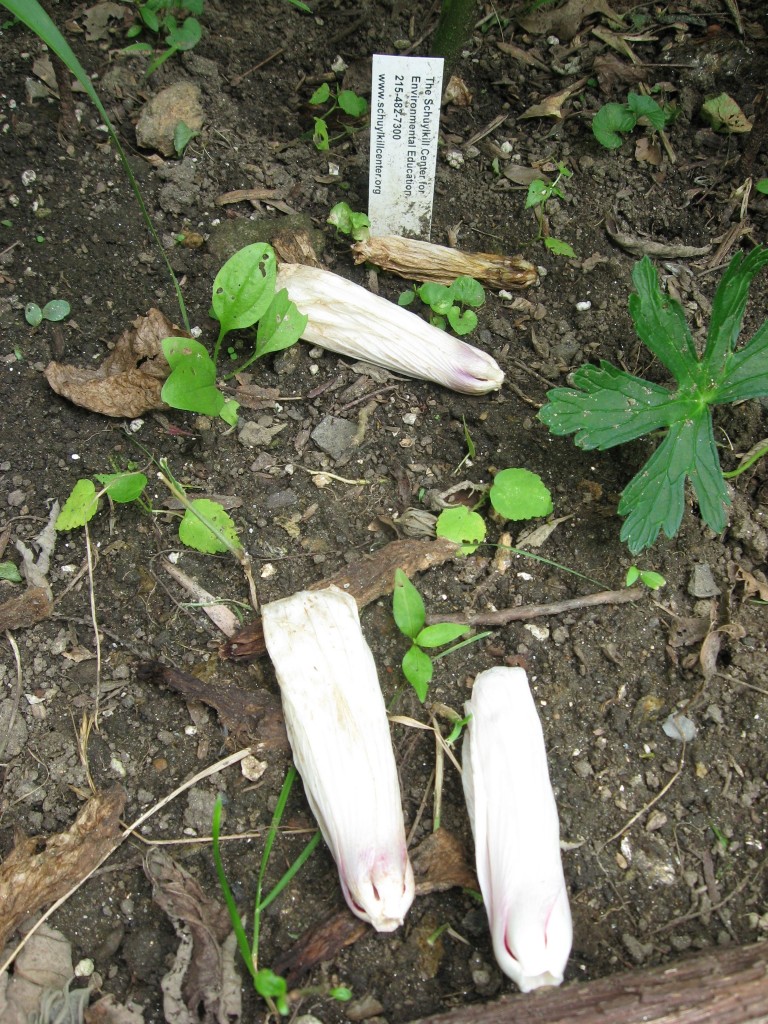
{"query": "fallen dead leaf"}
[(198, 988), (457, 92), (647, 151), (320, 942), (612, 72), (648, 247), (38, 871), (524, 56), (551, 106), (752, 585), (565, 21), (129, 381), (23, 611), (440, 863), (44, 965), (108, 1011)]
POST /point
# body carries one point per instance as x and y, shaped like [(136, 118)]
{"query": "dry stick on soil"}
[(536, 611), (16, 695), (644, 810), (213, 769)]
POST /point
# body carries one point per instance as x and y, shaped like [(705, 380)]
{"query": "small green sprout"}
[(467, 460), (348, 222), (346, 100), (53, 311), (182, 136), (515, 494), (762, 186), (616, 119), (410, 617), (652, 580), (449, 302), (539, 194), (9, 573), (156, 18), (606, 406)]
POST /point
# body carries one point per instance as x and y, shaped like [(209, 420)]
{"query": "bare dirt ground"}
[(664, 844)]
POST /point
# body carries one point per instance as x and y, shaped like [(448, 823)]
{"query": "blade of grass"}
[(297, 865), (282, 800), (229, 899), (35, 18)]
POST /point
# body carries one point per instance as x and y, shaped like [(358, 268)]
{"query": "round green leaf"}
[(609, 121), (467, 291), (519, 494), (351, 103), (462, 323), (122, 487), (56, 310), (33, 314), (195, 534), (321, 94), (191, 385), (462, 526)]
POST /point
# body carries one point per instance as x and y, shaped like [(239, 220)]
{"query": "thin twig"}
[(219, 766), (644, 810), (536, 611)]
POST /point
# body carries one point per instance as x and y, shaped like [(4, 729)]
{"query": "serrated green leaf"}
[(440, 633), (520, 494), (728, 308), (195, 534), (244, 287), (281, 326), (320, 95), (191, 384), (467, 292), (9, 573), (462, 526), (538, 192), (611, 119), (79, 508), (654, 500), (122, 487), (407, 606), (418, 669), (559, 248), (56, 310), (661, 325), (462, 322), (607, 407), (746, 371), (645, 106), (351, 103)]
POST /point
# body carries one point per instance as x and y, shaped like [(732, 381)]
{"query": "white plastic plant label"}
[(405, 118)]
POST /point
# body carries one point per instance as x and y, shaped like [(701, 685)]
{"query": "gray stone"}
[(702, 582), (334, 435)]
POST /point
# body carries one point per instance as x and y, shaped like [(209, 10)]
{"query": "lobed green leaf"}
[(728, 307), (746, 372), (661, 325)]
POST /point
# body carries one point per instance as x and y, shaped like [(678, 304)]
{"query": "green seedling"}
[(159, 17), (762, 186), (538, 195), (270, 986), (515, 494), (182, 136), (347, 222), (410, 617), (614, 120), (345, 100), (9, 573), (607, 406), (35, 18), (652, 580), (54, 311), (243, 294), (467, 460), (449, 303)]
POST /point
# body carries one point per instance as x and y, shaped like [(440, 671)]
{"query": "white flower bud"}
[(338, 729), (514, 822), (352, 321)]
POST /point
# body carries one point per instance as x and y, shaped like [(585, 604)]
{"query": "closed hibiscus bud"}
[(352, 321), (338, 730), (515, 826)]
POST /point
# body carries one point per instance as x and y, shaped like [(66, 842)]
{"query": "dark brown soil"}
[(688, 870)]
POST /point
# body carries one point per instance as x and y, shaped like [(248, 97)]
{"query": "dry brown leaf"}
[(38, 871), (319, 942), (551, 106), (524, 56), (648, 247), (752, 585), (108, 1011), (565, 21), (647, 151), (612, 72), (129, 381), (32, 606), (440, 863), (457, 92), (207, 921), (522, 175), (45, 963)]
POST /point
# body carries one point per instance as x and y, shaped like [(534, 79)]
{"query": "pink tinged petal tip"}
[(516, 830), (338, 729)]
